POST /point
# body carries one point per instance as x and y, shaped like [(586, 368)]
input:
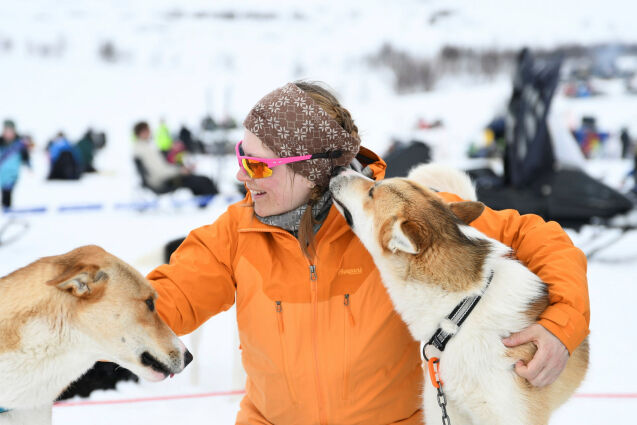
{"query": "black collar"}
[(459, 314)]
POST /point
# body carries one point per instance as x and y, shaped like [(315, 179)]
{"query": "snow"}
[(181, 60)]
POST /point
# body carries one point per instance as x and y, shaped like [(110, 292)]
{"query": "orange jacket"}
[(320, 341)]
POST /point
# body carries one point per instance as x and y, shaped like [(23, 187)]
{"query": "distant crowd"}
[(67, 160), (158, 156)]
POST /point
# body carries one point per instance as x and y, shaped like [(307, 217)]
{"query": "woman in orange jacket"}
[(321, 343)]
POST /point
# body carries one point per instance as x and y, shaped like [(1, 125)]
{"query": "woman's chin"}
[(260, 208), (261, 212), (264, 210)]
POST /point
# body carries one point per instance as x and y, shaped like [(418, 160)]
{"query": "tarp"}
[(542, 172), (528, 142)]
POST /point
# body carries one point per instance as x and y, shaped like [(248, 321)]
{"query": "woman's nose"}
[(242, 176)]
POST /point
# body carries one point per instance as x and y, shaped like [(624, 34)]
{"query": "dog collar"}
[(441, 337)]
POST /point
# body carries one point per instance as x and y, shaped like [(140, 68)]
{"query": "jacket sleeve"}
[(548, 252), (198, 282)]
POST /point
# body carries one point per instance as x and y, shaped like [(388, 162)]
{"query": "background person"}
[(14, 151), (87, 146), (320, 340), (65, 160), (161, 174)]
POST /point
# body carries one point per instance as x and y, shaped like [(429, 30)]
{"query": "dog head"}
[(113, 305), (410, 231)]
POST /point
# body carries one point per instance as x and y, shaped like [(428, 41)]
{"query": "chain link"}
[(442, 402), (442, 399)]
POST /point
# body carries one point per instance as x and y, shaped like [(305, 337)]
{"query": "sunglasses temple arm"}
[(281, 161), (329, 155)]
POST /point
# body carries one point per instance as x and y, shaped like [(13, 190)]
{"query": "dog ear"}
[(467, 211), (79, 280), (405, 236)]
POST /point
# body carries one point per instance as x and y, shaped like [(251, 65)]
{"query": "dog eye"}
[(371, 192), (151, 304)]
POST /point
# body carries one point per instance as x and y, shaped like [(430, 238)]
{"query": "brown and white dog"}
[(61, 314), (430, 259)]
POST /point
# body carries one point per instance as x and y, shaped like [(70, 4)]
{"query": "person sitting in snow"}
[(160, 174), (14, 151), (65, 160)]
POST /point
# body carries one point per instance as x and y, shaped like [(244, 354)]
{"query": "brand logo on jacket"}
[(356, 270)]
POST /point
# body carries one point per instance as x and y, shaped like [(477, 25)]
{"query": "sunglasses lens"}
[(256, 169)]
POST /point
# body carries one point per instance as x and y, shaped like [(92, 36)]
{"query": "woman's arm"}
[(198, 282), (548, 252)]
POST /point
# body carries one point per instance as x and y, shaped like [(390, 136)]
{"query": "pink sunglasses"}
[(258, 168)]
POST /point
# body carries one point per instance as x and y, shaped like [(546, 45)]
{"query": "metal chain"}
[(442, 399), (442, 402)]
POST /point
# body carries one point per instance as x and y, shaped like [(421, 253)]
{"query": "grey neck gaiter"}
[(290, 220)]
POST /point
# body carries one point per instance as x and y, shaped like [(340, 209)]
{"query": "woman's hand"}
[(549, 360)]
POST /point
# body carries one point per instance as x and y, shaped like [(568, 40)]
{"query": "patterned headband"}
[(290, 123)]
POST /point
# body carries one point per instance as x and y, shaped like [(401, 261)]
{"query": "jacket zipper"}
[(349, 310), (319, 396), (349, 317), (279, 318)]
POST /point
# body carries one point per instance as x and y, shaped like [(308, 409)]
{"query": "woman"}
[(320, 340)]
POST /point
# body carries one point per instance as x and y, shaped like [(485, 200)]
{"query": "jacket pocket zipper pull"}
[(279, 315), (349, 310)]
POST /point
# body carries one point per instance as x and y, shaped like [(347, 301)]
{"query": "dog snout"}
[(187, 358), (336, 182), (147, 359)]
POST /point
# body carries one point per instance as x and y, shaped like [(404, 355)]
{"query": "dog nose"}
[(187, 358), (338, 170)]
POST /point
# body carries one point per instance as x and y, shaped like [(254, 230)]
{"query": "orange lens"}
[(256, 169)]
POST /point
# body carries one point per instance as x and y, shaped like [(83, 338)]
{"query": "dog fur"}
[(430, 259), (61, 314)]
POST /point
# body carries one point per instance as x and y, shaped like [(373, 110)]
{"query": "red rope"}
[(617, 395), (239, 392), (146, 399)]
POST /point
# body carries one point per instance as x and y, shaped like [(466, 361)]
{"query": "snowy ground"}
[(179, 60), (608, 395)]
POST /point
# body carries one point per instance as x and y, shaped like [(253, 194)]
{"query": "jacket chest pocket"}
[(283, 344), (349, 324), (267, 341)]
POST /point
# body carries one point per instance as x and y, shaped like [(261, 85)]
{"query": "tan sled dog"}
[(61, 314), (431, 261)]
